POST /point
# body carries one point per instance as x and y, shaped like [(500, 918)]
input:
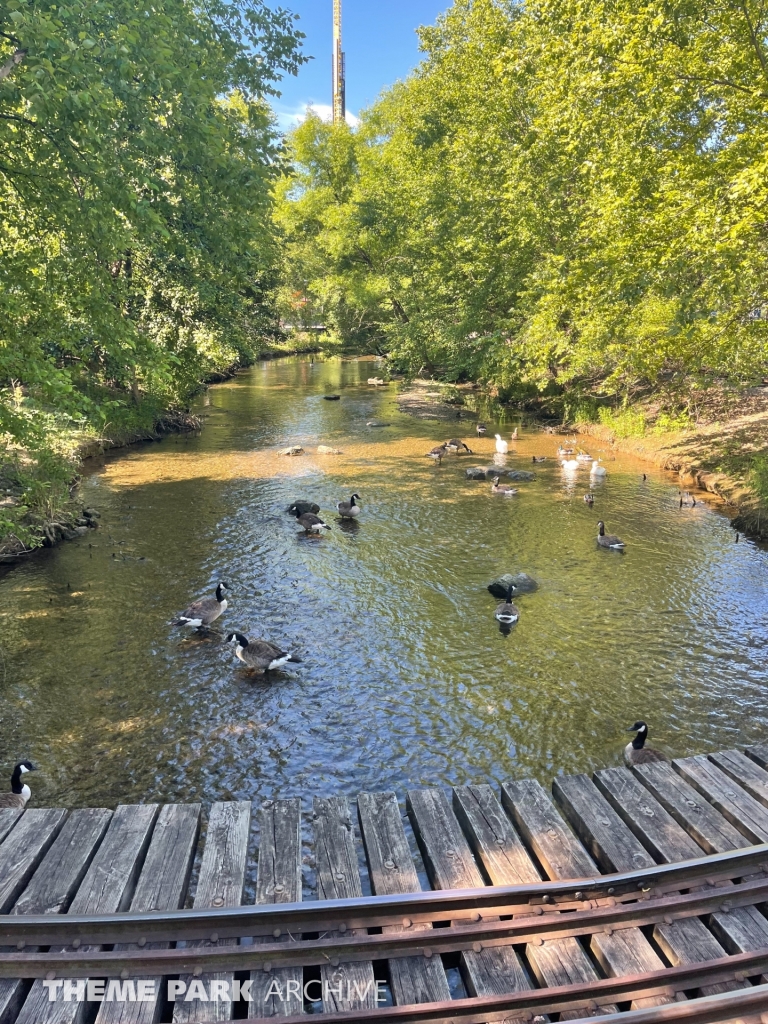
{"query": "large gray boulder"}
[(489, 472), (520, 581)]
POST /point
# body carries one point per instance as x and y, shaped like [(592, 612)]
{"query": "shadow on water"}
[(406, 678)]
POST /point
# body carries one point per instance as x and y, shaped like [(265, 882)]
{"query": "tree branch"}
[(10, 64)]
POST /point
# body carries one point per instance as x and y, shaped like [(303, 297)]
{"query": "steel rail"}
[(513, 1006), (528, 928), (376, 911), (726, 1006)]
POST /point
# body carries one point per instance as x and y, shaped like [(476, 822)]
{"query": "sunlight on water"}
[(406, 679)]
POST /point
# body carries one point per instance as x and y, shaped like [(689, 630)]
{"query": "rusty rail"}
[(377, 911), (524, 928)]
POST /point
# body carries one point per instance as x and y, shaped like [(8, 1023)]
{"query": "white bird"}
[(501, 445), (597, 469), (570, 465)]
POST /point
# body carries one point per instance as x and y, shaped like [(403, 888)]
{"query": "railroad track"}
[(634, 895)]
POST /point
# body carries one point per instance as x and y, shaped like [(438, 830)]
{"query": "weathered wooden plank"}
[(688, 941), (162, 885), (390, 865), (450, 865), (55, 882), (734, 803), (8, 818), (683, 942), (759, 754), (545, 831), (220, 884), (656, 829), (106, 889), (745, 771), (700, 820), (598, 826), (492, 837), (278, 993), (348, 986), (23, 850), (489, 830), (620, 953)]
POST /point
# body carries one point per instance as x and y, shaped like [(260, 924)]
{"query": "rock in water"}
[(324, 449), (295, 449), (489, 472), (521, 582), (303, 506)]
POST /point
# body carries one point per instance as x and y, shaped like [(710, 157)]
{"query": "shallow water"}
[(406, 679)]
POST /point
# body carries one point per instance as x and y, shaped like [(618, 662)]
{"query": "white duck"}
[(570, 465), (597, 469), (501, 445)]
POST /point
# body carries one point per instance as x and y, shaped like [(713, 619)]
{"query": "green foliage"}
[(137, 160), (562, 196), (758, 476)]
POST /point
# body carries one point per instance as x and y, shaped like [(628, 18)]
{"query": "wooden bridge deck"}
[(637, 896)]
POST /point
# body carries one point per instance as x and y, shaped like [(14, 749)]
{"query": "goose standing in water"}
[(310, 522), (608, 540), (204, 612), (349, 509), (259, 655), (636, 751), (507, 612), (501, 445), (456, 445), (20, 793), (481, 429)]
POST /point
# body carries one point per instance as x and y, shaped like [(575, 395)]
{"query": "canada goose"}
[(636, 752), (513, 435), (19, 794), (645, 477), (737, 536), (501, 445), (506, 612), (260, 655), (686, 499), (498, 488), (310, 522), (538, 458), (608, 540), (481, 429), (349, 509), (437, 453), (204, 612), (302, 507), (589, 499), (455, 445), (597, 469)]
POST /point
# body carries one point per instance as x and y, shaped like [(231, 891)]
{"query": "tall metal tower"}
[(339, 98)]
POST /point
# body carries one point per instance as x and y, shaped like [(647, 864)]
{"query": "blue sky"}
[(379, 40)]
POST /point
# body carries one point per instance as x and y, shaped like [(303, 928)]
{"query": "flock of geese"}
[(571, 460), (635, 752)]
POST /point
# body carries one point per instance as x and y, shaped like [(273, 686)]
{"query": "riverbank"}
[(725, 452), (38, 485)]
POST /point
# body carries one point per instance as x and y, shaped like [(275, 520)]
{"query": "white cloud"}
[(289, 118)]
